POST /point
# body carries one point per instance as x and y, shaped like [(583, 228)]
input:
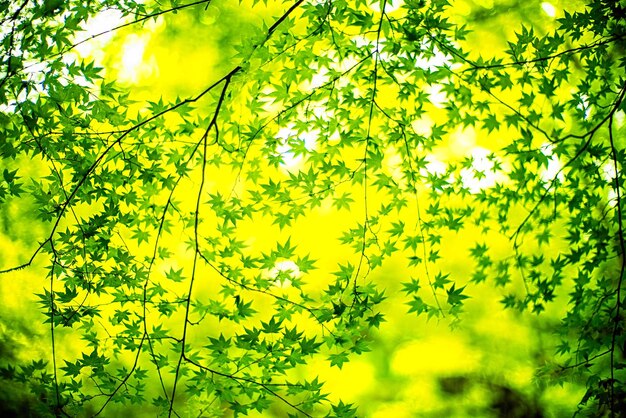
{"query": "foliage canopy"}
[(147, 211)]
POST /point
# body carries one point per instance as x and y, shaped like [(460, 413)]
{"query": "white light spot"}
[(433, 166), (390, 5), (462, 141), (322, 112), (373, 45), (583, 104), (608, 172), (393, 164), (612, 197), (437, 96), (361, 41), (103, 22), (548, 9), (99, 25), (7, 107), (481, 175), (286, 134), (346, 64), (553, 171), (423, 126), (270, 104), (310, 138), (319, 79), (36, 68), (334, 138), (432, 61), (132, 57), (283, 273)]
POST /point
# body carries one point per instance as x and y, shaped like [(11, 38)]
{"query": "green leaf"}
[(338, 359), (456, 296)]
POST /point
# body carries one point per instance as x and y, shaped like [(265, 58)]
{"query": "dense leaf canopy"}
[(184, 238)]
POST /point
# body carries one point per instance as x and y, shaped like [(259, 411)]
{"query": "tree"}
[(349, 110)]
